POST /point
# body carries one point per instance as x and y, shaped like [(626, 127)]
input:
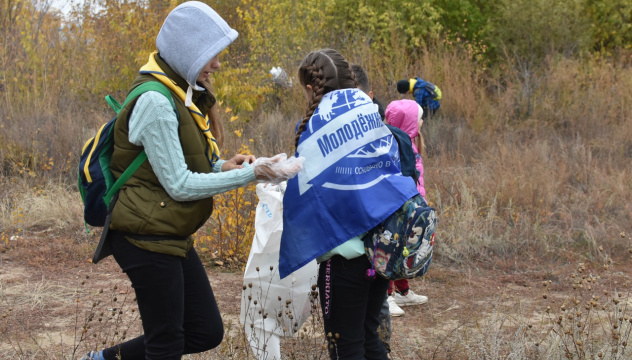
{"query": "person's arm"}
[(153, 124)]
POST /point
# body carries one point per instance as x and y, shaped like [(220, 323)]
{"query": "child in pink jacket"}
[(406, 115)]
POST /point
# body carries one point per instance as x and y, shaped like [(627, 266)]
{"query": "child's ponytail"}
[(420, 143), (215, 122), (419, 140)]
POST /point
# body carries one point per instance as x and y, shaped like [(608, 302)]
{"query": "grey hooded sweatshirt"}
[(190, 37)]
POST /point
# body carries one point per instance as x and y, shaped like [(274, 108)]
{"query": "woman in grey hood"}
[(170, 196)]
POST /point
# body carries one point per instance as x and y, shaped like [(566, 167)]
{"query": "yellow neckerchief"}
[(412, 84), (202, 121)]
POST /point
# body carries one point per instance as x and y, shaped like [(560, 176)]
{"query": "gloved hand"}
[(277, 168)]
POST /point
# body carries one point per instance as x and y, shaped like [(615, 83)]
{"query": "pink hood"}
[(403, 114)]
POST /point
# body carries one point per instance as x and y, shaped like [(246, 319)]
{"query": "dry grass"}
[(532, 312), (52, 206), (535, 198)]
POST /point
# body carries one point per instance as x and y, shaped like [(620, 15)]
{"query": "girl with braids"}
[(351, 180)]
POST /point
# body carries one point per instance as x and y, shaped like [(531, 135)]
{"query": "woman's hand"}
[(277, 168), (237, 161)]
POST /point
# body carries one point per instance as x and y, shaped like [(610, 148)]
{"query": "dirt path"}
[(47, 284)]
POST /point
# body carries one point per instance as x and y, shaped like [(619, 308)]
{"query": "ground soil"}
[(44, 278)]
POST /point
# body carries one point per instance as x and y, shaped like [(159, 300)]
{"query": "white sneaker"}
[(409, 299), (393, 308)]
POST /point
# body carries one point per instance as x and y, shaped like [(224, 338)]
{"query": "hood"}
[(190, 37), (404, 114)]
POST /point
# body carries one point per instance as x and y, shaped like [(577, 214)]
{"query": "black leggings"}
[(351, 306), (175, 301)]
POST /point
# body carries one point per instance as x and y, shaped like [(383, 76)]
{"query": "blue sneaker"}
[(92, 355)]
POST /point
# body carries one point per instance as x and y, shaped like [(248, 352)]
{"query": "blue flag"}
[(351, 179)]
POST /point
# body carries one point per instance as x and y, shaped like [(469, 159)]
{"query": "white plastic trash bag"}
[(279, 76), (271, 307)]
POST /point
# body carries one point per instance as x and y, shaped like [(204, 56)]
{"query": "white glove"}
[(277, 168)]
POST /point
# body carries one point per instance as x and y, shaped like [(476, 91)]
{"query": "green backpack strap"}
[(148, 86), (113, 103), (140, 89), (131, 169)]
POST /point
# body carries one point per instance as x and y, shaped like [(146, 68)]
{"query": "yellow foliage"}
[(279, 32), (242, 89)]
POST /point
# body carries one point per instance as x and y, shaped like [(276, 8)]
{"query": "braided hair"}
[(324, 70)]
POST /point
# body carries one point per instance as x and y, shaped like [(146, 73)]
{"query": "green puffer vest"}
[(144, 208)]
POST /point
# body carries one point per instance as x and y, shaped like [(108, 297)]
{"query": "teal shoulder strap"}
[(140, 89)]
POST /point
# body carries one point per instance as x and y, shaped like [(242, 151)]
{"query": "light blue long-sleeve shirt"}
[(153, 125)]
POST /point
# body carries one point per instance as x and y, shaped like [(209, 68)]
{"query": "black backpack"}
[(408, 157)]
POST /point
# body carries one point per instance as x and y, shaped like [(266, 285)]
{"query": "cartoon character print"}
[(382, 259), (418, 259), (386, 237), (411, 257), (414, 233), (430, 229), (422, 255), (417, 231)]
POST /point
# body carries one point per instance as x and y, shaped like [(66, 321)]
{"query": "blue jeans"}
[(175, 301), (351, 307)]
